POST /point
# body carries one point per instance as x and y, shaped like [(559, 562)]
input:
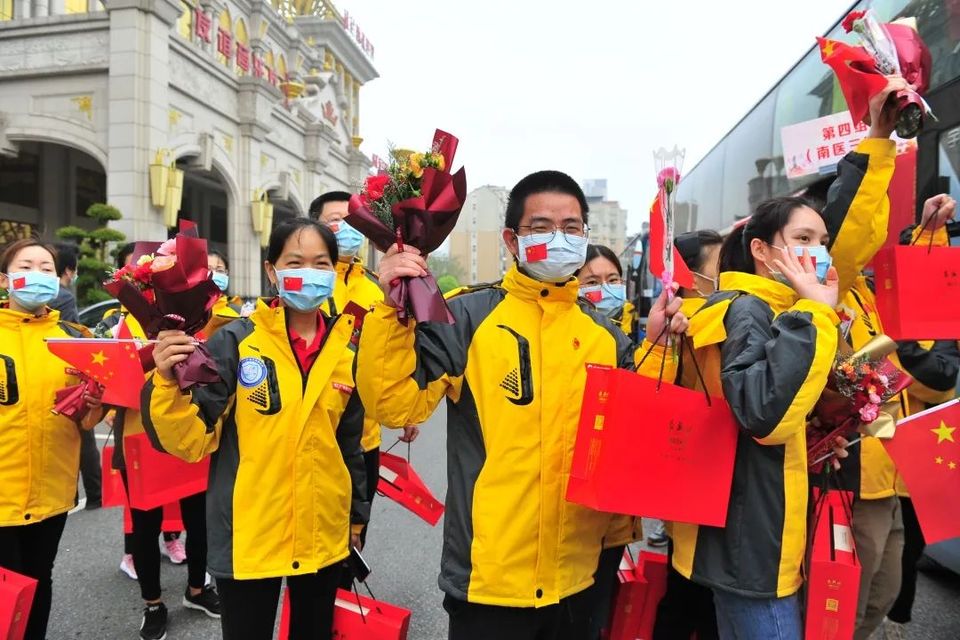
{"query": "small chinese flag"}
[(681, 272), (536, 253), (293, 284), (926, 450), (114, 364), (856, 72), (19, 283), (594, 296)]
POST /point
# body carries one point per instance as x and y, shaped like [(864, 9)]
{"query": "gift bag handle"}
[(922, 229), (696, 365), (356, 591), (390, 448)]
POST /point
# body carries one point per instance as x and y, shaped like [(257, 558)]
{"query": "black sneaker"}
[(207, 601), (154, 625)]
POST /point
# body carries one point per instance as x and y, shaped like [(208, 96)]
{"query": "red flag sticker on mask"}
[(536, 253), (594, 296), (293, 284), (334, 226), (19, 283)]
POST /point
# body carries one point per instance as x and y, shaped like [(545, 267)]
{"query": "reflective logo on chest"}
[(251, 372)]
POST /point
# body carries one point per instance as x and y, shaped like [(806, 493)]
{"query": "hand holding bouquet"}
[(415, 202)]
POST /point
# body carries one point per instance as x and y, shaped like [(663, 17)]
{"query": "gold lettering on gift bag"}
[(594, 456), (598, 422), (833, 605)]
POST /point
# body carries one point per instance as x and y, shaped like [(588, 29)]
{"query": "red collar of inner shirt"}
[(305, 353)]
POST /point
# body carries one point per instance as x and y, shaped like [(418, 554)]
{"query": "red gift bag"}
[(638, 595), (358, 617), (633, 428), (918, 292), (401, 483), (113, 492), (833, 575), (16, 600), (156, 479)]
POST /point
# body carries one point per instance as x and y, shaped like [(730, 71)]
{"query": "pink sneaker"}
[(174, 550), (126, 566)]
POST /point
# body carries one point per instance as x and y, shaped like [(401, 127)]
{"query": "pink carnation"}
[(869, 412), (168, 248), (875, 399)]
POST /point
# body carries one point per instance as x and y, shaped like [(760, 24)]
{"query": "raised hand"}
[(802, 276)]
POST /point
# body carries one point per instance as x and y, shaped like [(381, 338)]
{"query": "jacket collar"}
[(10, 319), (272, 316), (526, 288), (349, 269), (779, 296)]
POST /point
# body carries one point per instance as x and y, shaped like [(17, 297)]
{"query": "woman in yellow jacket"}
[(287, 491), (225, 309), (40, 451)]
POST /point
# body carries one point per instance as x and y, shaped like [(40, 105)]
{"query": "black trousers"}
[(687, 607), (567, 620), (371, 460), (913, 546), (90, 467), (601, 593), (249, 607), (30, 550), (146, 548)]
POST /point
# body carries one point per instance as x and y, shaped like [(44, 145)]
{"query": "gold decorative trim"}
[(84, 105)]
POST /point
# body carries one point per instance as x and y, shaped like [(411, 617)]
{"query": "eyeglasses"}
[(570, 228)]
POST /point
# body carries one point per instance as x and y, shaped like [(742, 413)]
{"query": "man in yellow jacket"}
[(516, 555)]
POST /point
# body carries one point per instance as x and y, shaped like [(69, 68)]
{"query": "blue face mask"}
[(608, 298), (33, 289), (349, 239), (305, 289), (221, 280), (819, 254), (552, 257)]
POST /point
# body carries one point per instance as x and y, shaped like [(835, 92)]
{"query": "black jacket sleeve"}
[(935, 368)]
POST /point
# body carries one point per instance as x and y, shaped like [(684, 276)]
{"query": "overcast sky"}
[(590, 88)]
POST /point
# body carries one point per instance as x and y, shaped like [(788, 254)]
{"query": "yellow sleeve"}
[(858, 211), (936, 237), (649, 365), (404, 371), (172, 420)]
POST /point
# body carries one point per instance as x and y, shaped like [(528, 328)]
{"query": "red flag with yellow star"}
[(856, 72), (115, 364), (926, 450)]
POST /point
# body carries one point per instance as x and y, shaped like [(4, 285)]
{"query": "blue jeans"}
[(742, 618)]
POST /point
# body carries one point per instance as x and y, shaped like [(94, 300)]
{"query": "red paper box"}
[(156, 479), (628, 603), (113, 492), (401, 483), (16, 600), (833, 579), (677, 435), (358, 618), (907, 280), (654, 569)]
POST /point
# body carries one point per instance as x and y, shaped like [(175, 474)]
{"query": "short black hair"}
[(542, 182), (67, 254), (691, 246), (602, 251), (123, 252), (216, 254), (282, 232), (316, 207)]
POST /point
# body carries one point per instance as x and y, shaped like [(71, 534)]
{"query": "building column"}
[(138, 108), (41, 8), (22, 9)]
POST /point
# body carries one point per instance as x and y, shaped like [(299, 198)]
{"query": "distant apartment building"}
[(476, 242), (607, 219)]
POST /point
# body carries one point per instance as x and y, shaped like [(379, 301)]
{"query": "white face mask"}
[(552, 257), (714, 281)]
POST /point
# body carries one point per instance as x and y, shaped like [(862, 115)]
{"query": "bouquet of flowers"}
[(860, 396), (167, 286), (417, 202), (886, 49)]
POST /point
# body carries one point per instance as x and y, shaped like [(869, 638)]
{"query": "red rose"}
[(851, 18), (376, 185)]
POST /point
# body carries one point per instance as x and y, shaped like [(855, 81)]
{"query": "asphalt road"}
[(94, 601)]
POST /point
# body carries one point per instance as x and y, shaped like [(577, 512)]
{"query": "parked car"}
[(91, 315)]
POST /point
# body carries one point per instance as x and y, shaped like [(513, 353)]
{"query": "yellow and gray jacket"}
[(359, 285), (512, 370), (773, 353), (287, 477), (225, 310), (39, 451)]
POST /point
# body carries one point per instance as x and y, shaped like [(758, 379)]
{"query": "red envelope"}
[(630, 431), (918, 292), (358, 618), (16, 600), (156, 479), (399, 482), (833, 578)]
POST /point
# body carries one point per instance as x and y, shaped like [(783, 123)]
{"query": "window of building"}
[(6, 9), (20, 179), (76, 6), (185, 22)]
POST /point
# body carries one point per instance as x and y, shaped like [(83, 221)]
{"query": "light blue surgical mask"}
[(608, 298), (564, 255), (819, 254), (222, 280), (305, 289), (349, 240), (33, 289)]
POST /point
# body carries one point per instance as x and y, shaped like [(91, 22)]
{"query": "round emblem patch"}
[(251, 372)]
